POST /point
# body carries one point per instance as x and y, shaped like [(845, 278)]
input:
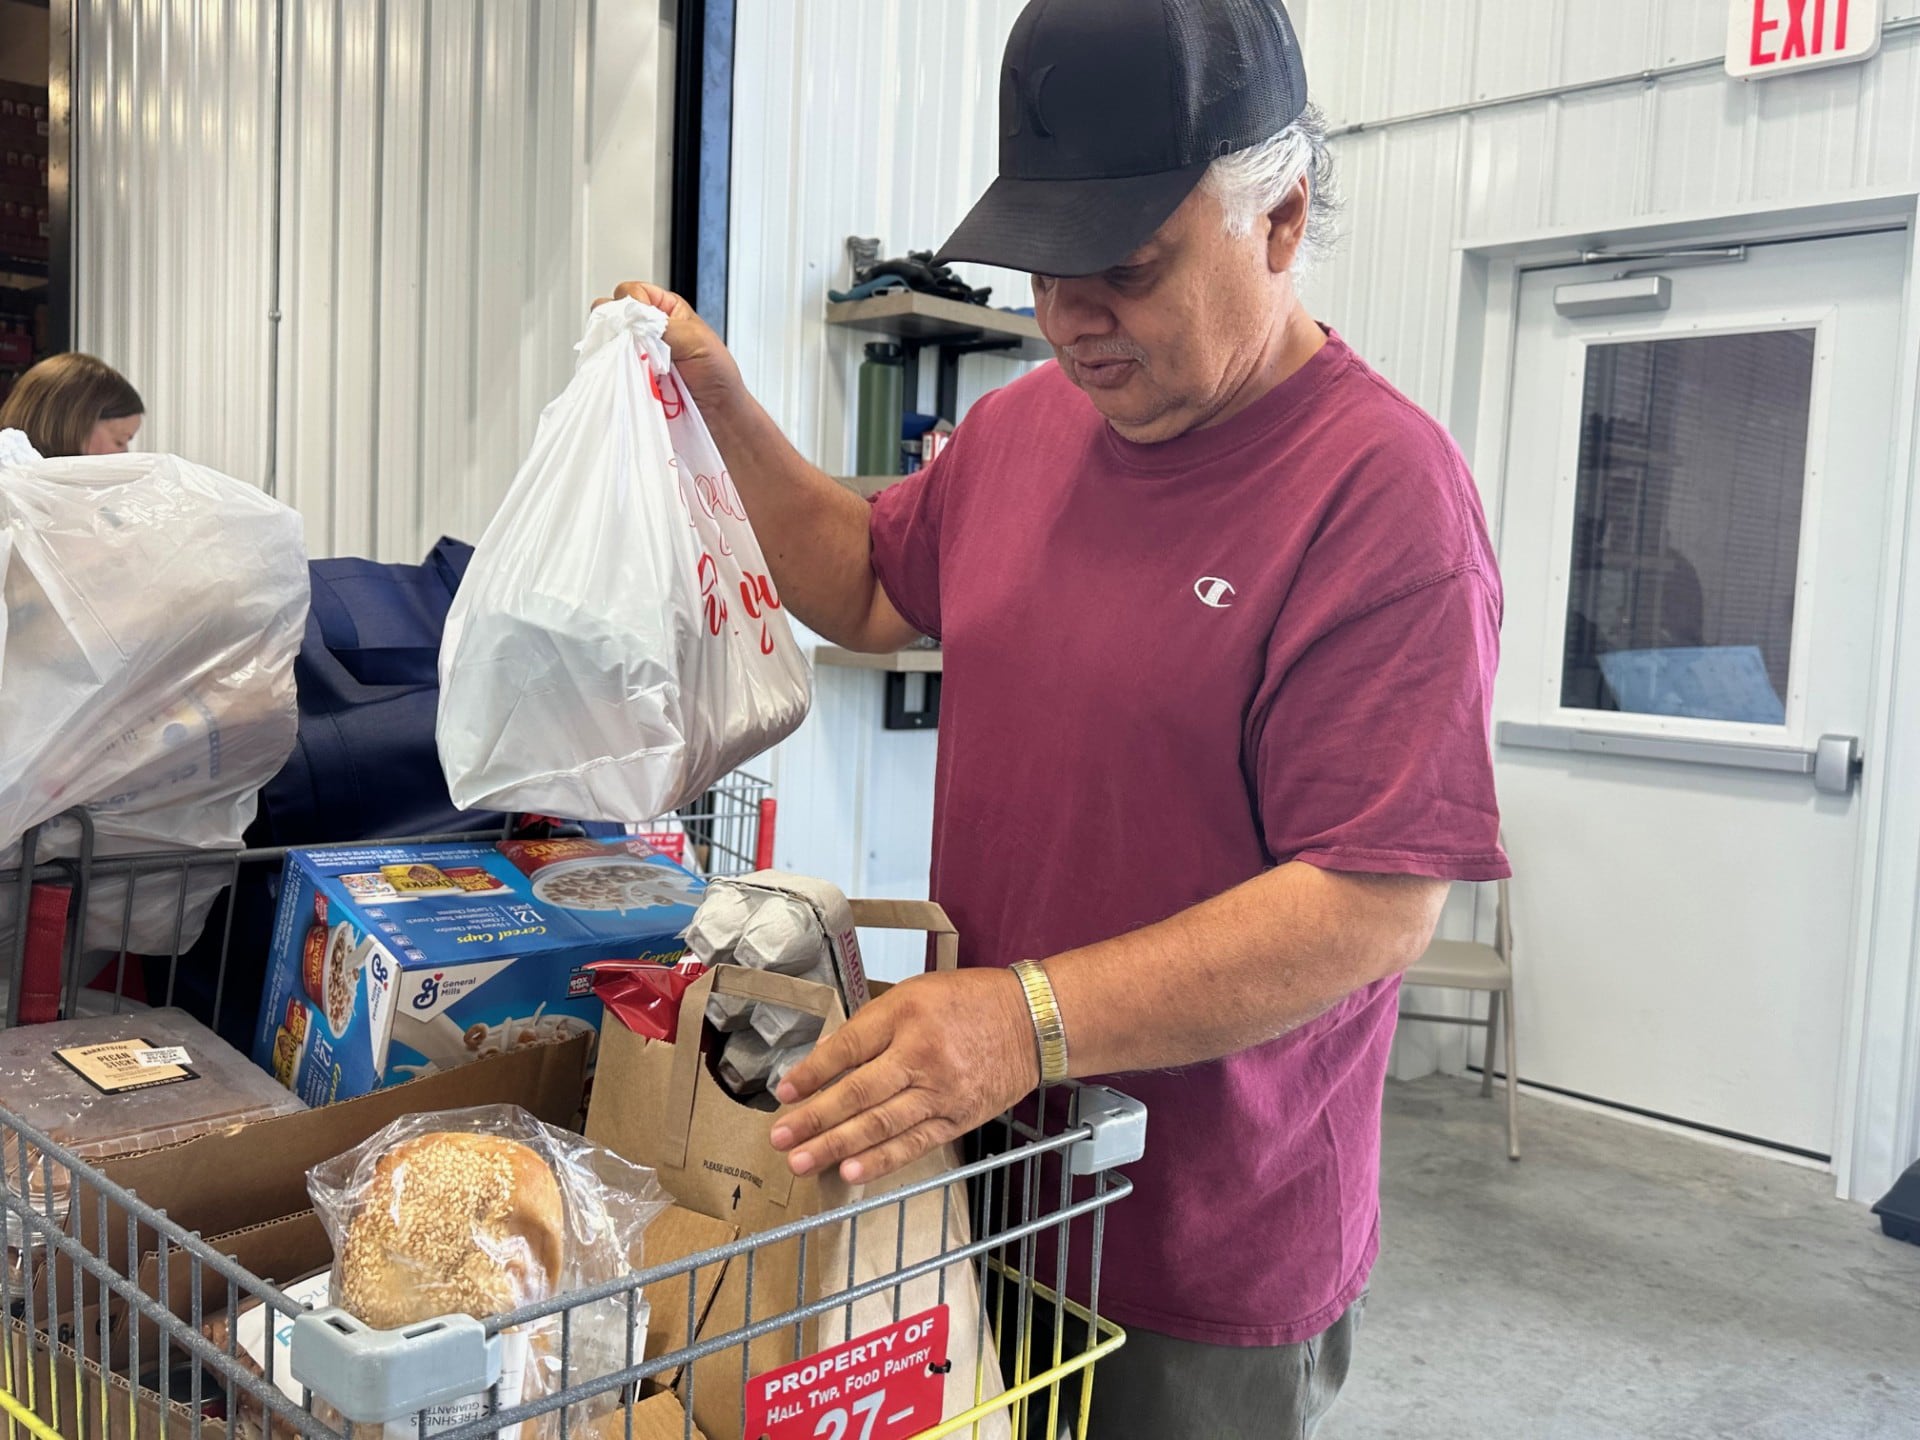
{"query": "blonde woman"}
[(74, 405)]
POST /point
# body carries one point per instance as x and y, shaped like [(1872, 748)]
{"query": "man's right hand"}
[(702, 359), (813, 532)]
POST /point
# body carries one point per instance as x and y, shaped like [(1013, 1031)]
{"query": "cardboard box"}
[(658, 1417), (77, 1399), (232, 1184), (106, 1085), (280, 1251), (246, 1190), (674, 1324), (394, 961), (220, 1184)]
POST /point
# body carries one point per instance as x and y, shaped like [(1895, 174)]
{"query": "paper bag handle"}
[(912, 915)]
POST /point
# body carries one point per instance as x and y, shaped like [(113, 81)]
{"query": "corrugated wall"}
[(430, 270), (436, 219), (853, 117), (1690, 143), (173, 264)]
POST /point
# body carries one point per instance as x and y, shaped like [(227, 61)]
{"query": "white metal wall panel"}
[(1895, 155), (435, 223), (173, 261), (853, 117), (1709, 171), (1689, 143), (431, 260)]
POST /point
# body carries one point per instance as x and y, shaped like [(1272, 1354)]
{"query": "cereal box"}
[(395, 961)]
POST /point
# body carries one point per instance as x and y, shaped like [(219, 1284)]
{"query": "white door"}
[(1693, 532)]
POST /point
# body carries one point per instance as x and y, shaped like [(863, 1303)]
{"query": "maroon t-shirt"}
[(1170, 668)]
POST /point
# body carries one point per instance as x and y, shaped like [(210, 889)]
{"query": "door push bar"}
[(1833, 763)]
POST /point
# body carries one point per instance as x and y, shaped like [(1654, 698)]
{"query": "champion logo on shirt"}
[(1213, 592)]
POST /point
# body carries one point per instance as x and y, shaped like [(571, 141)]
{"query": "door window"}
[(1686, 535)]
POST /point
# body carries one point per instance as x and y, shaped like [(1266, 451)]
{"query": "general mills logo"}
[(429, 993), (379, 968)]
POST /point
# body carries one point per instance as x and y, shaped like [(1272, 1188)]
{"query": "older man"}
[(1220, 622)]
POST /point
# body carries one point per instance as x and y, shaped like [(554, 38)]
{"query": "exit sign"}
[(1774, 37)]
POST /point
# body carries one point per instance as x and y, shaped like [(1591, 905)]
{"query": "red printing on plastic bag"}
[(884, 1385), (645, 994)]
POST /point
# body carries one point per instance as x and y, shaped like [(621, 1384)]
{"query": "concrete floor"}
[(1620, 1282)]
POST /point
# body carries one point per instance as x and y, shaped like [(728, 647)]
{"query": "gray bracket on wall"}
[(946, 389), (913, 700)]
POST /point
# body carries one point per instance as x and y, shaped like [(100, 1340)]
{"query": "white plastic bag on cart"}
[(154, 609), (617, 645)]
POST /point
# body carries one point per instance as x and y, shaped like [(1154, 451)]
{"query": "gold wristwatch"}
[(1049, 1031)]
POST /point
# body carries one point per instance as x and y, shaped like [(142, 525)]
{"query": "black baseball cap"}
[(1110, 113)]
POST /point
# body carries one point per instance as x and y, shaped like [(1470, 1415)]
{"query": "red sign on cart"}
[(883, 1385)]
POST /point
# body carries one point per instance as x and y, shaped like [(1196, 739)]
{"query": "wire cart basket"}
[(97, 1345), (731, 826)]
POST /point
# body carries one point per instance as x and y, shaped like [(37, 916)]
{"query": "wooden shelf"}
[(900, 662), (930, 320), (868, 486)]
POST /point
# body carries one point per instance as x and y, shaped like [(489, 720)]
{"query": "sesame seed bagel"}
[(453, 1224)]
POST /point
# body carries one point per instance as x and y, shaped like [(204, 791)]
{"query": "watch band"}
[(1049, 1031)]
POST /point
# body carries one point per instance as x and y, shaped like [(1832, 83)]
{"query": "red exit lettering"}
[(1810, 28)]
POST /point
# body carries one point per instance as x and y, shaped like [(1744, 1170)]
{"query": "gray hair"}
[(1250, 183)]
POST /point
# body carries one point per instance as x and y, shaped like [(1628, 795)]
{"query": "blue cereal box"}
[(394, 961)]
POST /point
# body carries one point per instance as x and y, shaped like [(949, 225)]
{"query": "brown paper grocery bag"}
[(659, 1105)]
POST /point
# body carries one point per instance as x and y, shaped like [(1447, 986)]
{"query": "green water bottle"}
[(883, 389)]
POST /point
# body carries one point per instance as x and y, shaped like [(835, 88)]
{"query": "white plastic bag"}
[(16, 449), (154, 609), (617, 645)]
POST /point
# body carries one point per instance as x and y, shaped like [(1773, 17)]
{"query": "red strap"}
[(46, 941), (763, 844)]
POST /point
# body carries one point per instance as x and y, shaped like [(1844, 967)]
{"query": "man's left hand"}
[(927, 1062)]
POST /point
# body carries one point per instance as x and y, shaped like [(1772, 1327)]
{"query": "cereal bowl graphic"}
[(615, 883), (334, 980), (484, 1040)]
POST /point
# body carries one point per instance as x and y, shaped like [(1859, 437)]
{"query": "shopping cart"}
[(732, 826), (96, 1346)]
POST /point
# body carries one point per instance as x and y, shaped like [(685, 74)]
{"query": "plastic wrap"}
[(479, 1212), (617, 646)]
